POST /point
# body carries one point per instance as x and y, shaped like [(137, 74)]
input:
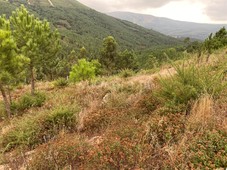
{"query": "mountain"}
[(83, 26), (170, 27)]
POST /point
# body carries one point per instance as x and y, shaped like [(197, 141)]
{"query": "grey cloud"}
[(216, 10), (110, 5), (143, 4)]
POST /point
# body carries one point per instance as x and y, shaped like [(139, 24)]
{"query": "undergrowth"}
[(121, 124), (178, 91), (27, 101), (61, 82), (34, 130)]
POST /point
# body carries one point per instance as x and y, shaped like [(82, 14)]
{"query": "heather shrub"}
[(67, 153), (165, 129), (120, 154), (209, 151)]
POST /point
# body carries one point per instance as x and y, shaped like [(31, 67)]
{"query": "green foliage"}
[(81, 26), (152, 62), (27, 101), (61, 82), (188, 84), (83, 52), (36, 41), (126, 73), (216, 41), (84, 70), (25, 133), (127, 60), (156, 57), (113, 61), (194, 47), (11, 64), (61, 118), (108, 57)]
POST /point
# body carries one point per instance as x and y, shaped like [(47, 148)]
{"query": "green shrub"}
[(61, 82), (84, 70), (126, 73), (60, 119), (27, 101), (25, 133), (38, 129), (188, 84)]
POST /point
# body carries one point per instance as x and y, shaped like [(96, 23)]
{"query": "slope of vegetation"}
[(180, 29), (126, 123), (82, 26), (109, 113)]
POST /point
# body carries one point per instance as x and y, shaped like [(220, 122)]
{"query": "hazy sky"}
[(209, 11)]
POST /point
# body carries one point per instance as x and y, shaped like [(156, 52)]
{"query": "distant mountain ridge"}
[(80, 25), (170, 27)]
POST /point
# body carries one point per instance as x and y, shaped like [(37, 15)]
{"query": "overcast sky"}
[(206, 11)]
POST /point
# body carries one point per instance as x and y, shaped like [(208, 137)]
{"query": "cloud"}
[(111, 5), (216, 10)]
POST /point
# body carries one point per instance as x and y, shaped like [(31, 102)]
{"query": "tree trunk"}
[(32, 80), (9, 94), (6, 102), (199, 57), (208, 56)]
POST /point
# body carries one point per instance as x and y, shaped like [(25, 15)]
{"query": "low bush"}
[(126, 73), (189, 83), (60, 119), (61, 82), (25, 133), (41, 128), (84, 70), (27, 101)]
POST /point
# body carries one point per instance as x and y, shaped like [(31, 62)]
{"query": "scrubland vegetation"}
[(114, 111)]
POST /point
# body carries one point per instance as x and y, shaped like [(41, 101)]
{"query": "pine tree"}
[(11, 64), (108, 56), (83, 52), (36, 41), (127, 60)]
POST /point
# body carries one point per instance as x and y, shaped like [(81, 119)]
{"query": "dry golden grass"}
[(202, 114)]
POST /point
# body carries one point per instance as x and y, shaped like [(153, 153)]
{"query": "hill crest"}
[(168, 26)]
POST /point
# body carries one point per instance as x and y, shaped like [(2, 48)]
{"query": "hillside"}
[(170, 27), (82, 26), (137, 122)]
